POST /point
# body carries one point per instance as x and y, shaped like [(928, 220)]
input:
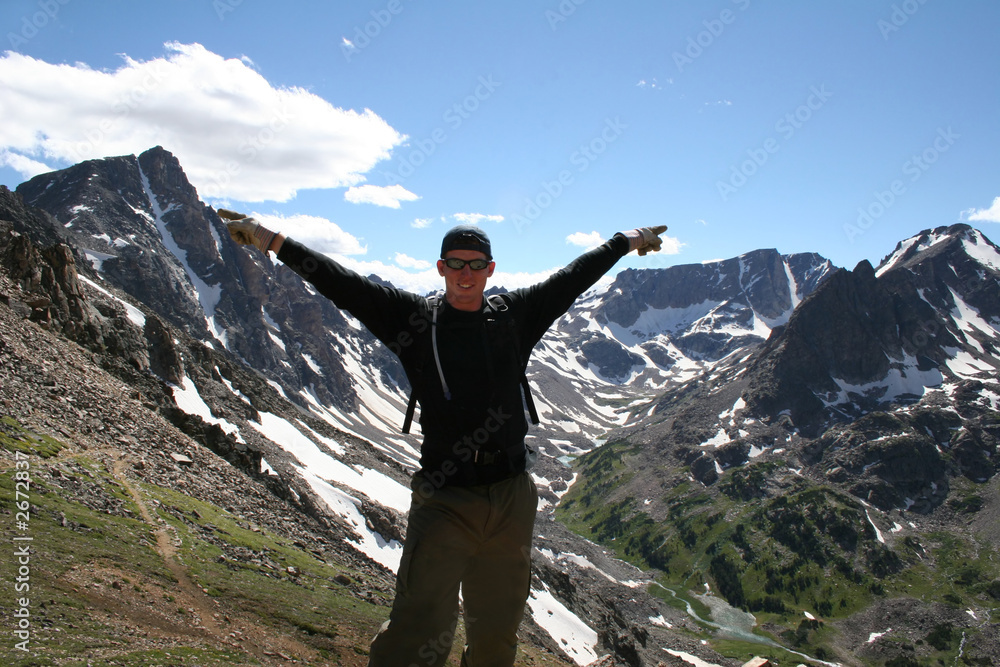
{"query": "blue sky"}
[(369, 128)]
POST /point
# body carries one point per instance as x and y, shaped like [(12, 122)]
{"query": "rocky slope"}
[(845, 470)]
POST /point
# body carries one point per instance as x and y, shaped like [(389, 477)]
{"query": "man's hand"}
[(247, 231), (227, 215), (651, 239), (644, 239)]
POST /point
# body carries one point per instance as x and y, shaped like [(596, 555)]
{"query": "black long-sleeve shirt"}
[(483, 355)]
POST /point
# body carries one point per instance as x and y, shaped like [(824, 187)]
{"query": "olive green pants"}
[(478, 537)]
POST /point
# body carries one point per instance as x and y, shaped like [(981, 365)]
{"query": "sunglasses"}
[(459, 264)]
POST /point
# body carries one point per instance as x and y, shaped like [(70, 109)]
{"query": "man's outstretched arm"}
[(381, 309), (552, 297)]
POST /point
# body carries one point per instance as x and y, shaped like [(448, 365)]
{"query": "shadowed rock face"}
[(139, 223), (861, 340)]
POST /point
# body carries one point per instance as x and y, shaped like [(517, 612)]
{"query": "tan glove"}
[(247, 231), (645, 239)]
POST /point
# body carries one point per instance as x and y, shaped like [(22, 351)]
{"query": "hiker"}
[(473, 502)]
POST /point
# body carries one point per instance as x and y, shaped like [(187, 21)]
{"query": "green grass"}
[(99, 588), (62, 623), (308, 600), (16, 438), (740, 650), (811, 548), (183, 655), (83, 560)]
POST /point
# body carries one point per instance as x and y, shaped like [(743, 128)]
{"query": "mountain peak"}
[(936, 239)]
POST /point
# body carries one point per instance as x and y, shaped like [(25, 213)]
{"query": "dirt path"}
[(265, 644), (196, 598)]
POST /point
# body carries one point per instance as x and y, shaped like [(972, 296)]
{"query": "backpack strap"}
[(499, 305), (410, 407), (532, 412), (434, 302)]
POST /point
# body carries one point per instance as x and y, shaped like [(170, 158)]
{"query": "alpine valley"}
[(761, 456)]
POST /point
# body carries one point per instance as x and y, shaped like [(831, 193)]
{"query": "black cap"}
[(466, 237)]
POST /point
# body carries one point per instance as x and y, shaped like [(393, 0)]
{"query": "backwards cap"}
[(466, 237)]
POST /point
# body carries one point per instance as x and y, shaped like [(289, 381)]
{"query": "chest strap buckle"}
[(485, 458)]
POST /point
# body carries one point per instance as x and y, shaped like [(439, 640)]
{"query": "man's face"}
[(463, 288)]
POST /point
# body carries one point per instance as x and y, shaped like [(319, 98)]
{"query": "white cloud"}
[(408, 262), (422, 223), (388, 196), (591, 240), (476, 218), (651, 83), (237, 135), (991, 214), (671, 245), (318, 233), (23, 165)]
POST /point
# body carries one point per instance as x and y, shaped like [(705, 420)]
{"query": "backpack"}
[(500, 313)]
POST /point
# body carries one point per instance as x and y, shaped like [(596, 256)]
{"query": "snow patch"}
[(878, 533), (690, 659), (321, 471), (134, 314), (875, 635), (208, 295), (190, 401), (717, 440), (574, 636)]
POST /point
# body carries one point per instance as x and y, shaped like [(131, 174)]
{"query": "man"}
[(473, 502)]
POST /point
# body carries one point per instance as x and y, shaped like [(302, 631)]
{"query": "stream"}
[(733, 623)]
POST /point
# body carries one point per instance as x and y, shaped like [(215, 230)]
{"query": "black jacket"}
[(483, 356)]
